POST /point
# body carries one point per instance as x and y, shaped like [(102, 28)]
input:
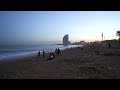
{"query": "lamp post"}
[(102, 36)]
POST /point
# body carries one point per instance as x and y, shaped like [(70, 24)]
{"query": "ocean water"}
[(13, 51)]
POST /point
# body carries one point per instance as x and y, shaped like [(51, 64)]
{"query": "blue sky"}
[(35, 27)]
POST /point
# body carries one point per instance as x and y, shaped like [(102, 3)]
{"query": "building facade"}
[(65, 40)]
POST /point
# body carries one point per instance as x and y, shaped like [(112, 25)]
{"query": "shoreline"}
[(9, 56), (90, 63), (34, 55)]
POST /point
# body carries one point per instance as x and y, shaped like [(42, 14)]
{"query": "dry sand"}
[(91, 63)]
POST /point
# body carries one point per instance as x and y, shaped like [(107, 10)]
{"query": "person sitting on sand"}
[(38, 54), (51, 56)]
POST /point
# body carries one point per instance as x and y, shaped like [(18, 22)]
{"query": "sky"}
[(36, 27)]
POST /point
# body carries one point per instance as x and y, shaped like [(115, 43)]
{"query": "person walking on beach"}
[(56, 51), (43, 54), (109, 45), (81, 48), (59, 52), (38, 54)]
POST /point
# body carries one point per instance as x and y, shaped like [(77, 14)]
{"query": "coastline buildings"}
[(113, 42), (79, 43), (65, 40)]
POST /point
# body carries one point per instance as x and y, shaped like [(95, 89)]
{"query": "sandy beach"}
[(92, 62)]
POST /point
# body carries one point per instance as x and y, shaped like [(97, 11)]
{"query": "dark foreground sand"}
[(91, 63)]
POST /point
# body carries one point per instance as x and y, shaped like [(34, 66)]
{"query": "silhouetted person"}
[(56, 50), (43, 54), (109, 45), (59, 52), (51, 56), (81, 48), (39, 54)]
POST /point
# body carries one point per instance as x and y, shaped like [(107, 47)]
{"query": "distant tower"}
[(65, 40)]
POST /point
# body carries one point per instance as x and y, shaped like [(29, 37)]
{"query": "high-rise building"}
[(65, 40)]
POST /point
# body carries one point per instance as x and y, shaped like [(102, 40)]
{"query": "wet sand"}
[(90, 63)]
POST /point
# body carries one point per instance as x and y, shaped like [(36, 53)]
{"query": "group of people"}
[(57, 51), (51, 56)]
